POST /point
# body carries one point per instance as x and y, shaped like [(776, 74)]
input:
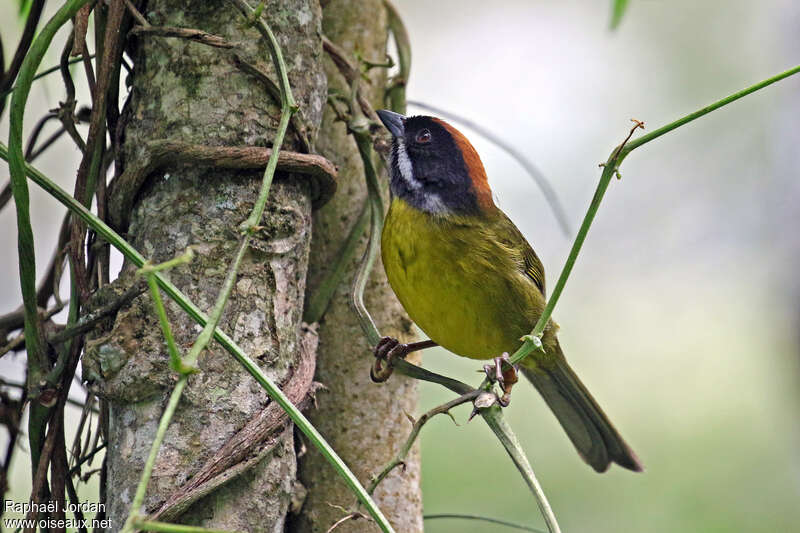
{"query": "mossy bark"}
[(366, 423), (188, 92)]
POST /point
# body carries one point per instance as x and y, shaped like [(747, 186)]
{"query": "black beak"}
[(394, 122)]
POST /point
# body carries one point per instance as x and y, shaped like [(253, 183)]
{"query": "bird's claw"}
[(505, 377), (386, 352)]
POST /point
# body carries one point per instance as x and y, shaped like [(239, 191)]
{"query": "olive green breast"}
[(459, 281)]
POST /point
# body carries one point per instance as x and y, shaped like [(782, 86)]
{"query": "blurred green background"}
[(682, 312), (681, 315)]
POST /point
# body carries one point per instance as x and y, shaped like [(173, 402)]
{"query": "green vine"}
[(34, 343), (610, 168)]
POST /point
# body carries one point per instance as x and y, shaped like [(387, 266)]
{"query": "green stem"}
[(19, 186), (186, 365), (269, 172), (493, 416), (287, 99), (174, 356), (216, 313), (364, 143), (225, 341), (141, 489), (219, 306), (182, 259), (532, 341), (494, 419), (397, 85), (37, 362), (644, 139), (319, 301)]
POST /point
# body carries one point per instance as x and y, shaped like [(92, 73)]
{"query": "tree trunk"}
[(185, 91), (366, 423)]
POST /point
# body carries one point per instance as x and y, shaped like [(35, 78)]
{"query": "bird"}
[(471, 282)]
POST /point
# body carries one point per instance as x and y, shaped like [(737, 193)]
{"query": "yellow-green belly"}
[(456, 284)]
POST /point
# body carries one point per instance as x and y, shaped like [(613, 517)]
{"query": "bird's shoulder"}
[(503, 231)]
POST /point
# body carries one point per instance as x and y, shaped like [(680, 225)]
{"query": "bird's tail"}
[(587, 426)]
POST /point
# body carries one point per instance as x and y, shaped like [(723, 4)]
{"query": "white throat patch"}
[(425, 200), (404, 164)]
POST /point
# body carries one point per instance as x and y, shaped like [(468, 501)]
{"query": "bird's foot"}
[(387, 351), (500, 371)]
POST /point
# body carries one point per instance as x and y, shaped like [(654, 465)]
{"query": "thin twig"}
[(89, 320), (479, 518), (190, 34), (355, 515), (298, 122), (86, 458), (136, 14), (35, 132), (350, 72), (399, 458), (66, 111), (86, 415), (81, 26), (88, 70), (47, 143), (91, 162)]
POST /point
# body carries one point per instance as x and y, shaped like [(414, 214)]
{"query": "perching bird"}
[(469, 279)]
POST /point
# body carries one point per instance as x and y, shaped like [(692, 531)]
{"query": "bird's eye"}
[(423, 136)]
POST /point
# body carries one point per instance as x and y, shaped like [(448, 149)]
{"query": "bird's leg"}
[(503, 373), (387, 351)]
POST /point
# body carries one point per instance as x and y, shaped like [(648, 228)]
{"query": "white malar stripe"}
[(404, 164)]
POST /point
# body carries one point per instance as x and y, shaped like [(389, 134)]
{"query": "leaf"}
[(618, 8)]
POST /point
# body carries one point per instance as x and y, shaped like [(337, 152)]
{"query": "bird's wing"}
[(507, 233)]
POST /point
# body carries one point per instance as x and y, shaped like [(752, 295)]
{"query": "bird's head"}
[(434, 167)]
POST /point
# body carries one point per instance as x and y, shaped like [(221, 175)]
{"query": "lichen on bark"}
[(187, 92)]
